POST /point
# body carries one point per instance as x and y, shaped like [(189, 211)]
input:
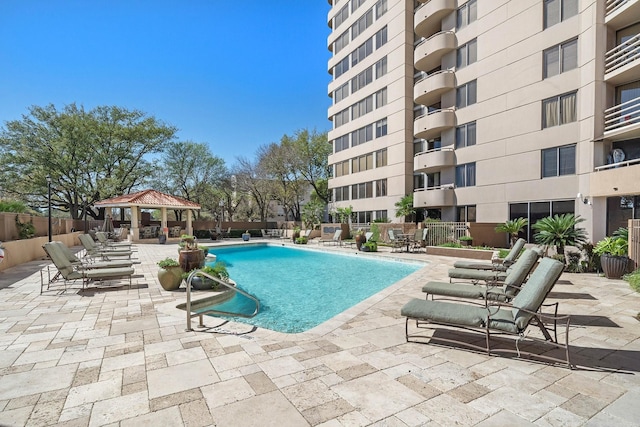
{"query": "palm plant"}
[(560, 231), (512, 227), (404, 207)]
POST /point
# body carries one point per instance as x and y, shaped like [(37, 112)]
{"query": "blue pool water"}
[(299, 289)]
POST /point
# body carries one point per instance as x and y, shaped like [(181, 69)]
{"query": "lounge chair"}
[(73, 259), (103, 238), (513, 319), (93, 250), (70, 272), (336, 239), (497, 265), (477, 276), (492, 292)]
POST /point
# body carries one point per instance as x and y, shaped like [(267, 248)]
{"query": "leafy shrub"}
[(26, 230), (451, 245), (168, 262), (371, 246), (634, 280), (574, 265), (302, 240)]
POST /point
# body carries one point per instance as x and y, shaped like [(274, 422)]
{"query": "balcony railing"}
[(622, 54), (622, 115), (613, 5), (617, 165)]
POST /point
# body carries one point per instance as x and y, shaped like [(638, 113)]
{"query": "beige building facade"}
[(487, 110)]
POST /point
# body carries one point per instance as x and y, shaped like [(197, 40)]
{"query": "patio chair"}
[(336, 239), (418, 243), (499, 318), (71, 273), (93, 250), (491, 292), (394, 240), (73, 259), (494, 265)]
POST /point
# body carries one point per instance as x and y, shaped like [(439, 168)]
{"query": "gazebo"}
[(149, 199)]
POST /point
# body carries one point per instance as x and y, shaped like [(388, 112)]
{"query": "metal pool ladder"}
[(213, 311)]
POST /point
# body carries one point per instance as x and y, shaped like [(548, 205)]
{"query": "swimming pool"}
[(299, 289)]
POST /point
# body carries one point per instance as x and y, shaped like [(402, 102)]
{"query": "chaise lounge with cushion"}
[(498, 318), (497, 265)]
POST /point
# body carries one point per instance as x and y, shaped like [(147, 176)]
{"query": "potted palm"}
[(512, 227), (560, 231), (613, 254)]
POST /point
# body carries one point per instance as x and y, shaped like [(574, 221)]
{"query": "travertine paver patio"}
[(118, 356)]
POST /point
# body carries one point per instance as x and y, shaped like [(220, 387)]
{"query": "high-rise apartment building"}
[(487, 110)]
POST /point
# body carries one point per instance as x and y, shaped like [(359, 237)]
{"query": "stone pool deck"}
[(116, 356)]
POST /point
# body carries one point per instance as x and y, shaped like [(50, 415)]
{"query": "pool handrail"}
[(201, 273)]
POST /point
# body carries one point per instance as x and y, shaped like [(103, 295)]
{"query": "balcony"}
[(622, 63), (429, 89), (433, 160), (428, 53), (430, 125), (428, 17), (621, 13), (622, 121), (615, 179), (434, 197)]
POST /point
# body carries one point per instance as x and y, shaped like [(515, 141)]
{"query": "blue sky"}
[(232, 74)]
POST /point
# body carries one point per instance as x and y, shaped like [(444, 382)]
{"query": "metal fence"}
[(634, 242), (443, 232)]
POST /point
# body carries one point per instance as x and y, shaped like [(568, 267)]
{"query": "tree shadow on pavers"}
[(591, 320), (15, 274), (582, 358)]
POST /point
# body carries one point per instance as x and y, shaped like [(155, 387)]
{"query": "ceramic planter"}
[(614, 267), (170, 278)]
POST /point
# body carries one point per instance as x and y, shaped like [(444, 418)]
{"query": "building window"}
[(418, 182), (381, 8), (341, 118), (355, 4), (342, 168), (381, 215), (381, 187), (381, 67), (556, 11), (381, 158), (466, 213), (361, 80), (433, 180), (466, 175), (341, 42), (362, 107), (466, 135), (341, 143), (341, 17), (362, 135), (341, 93), (341, 68), (381, 37), (364, 50), (381, 128), (381, 97), (467, 54), (362, 24), (560, 58), (559, 161), (534, 211), (363, 190), (341, 193), (559, 110), (363, 217), (466, 14), (362, 163), (466, 94)]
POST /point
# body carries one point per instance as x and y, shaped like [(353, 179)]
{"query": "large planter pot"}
[(360, 239), (191, 259), (170, 278), (201, 283), (614, 267), (162, 238), (246, 236)]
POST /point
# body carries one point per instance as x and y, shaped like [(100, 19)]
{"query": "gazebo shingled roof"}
[(147, 199)]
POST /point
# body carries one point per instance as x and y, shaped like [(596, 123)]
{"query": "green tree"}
[(312, 213), (512, 227), (191, 171), (312, 151), (89, 155), (404, 207), (560, 231)]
